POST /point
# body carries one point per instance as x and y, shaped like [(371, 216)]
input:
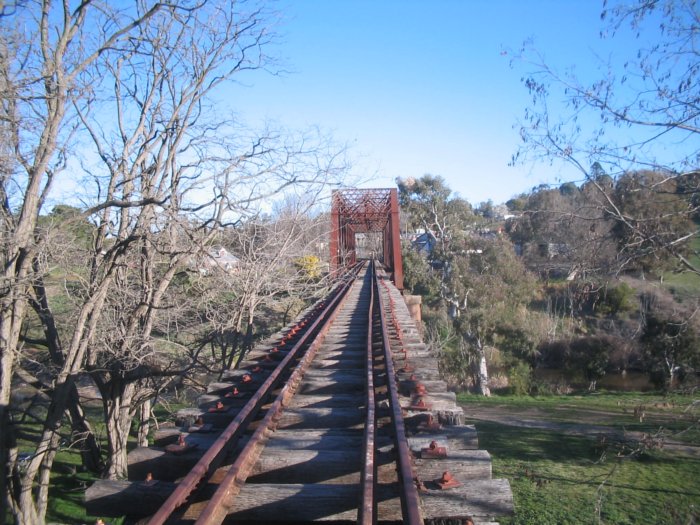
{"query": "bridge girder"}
[(363, 211)]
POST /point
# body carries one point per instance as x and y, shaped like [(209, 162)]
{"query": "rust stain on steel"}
[(217, 451), (221, 503), (410, 504), (366, 512)]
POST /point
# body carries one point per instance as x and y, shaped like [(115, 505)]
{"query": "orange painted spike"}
[(430, 423), (274, 350), (233, 393), (180, 448), (420, 389), (149, 477), (257, 370), (433, 451), (247, 378), (447, 481), (218, 408)]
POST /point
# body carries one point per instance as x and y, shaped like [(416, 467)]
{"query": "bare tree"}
[(166, 171), (169, 149), (641, 114), (266, 248), (43, 53)]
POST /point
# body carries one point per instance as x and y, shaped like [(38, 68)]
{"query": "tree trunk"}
[(144, 423), (117, 397), (82, 431), (483, 375), (228, 352), (90, 451), (246, 346), (44, 478), (31, 498), (6, 444), (11, 314)]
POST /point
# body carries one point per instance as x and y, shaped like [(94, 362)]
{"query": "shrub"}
[(617, 299), (519, 377)]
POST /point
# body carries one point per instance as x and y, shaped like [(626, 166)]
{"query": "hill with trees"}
[(562, 285)]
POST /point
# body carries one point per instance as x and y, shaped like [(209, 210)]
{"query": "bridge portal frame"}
[(355, 210)]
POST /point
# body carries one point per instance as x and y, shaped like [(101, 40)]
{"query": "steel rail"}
[(223, 499), (367, 510), (410, 503), (216, 453)]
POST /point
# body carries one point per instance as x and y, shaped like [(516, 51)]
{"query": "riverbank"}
[(602, 458)]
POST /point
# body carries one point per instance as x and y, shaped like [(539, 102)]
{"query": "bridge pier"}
[(413, 303)]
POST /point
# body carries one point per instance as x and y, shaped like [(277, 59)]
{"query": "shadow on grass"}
[(523, 444), (542, 479)]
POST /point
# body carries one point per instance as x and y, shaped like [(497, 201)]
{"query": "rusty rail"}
[(367, 509), (410, 503), (230, 478), (216, 453), (222, 501)]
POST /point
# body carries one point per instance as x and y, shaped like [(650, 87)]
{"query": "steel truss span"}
[(356, 211)]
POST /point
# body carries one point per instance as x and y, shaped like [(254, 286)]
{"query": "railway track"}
[(342, 418)]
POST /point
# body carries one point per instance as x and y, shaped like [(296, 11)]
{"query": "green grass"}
[(67, 493), (618, 402), (69, 480), (560, 478)]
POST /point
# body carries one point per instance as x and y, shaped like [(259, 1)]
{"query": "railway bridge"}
[(341, 417)]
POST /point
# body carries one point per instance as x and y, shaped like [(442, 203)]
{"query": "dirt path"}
[(539, 419)]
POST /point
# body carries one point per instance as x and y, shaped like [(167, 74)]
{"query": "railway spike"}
[(430, 423), (447, 481), (149, 479), (220, 407), (180, 448), (200, 426), (433, 451)]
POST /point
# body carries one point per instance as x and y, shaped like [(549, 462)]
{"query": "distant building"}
[(424, 242), (219, 258)]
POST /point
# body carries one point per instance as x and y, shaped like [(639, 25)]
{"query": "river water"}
[(621, 382)]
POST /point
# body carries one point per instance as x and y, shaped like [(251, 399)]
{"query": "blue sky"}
[(419, 87)]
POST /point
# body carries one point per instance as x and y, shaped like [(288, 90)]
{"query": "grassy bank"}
[(587, 459)]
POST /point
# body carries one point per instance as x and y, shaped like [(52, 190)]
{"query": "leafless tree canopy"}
[(640, 115), (118, 102)]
